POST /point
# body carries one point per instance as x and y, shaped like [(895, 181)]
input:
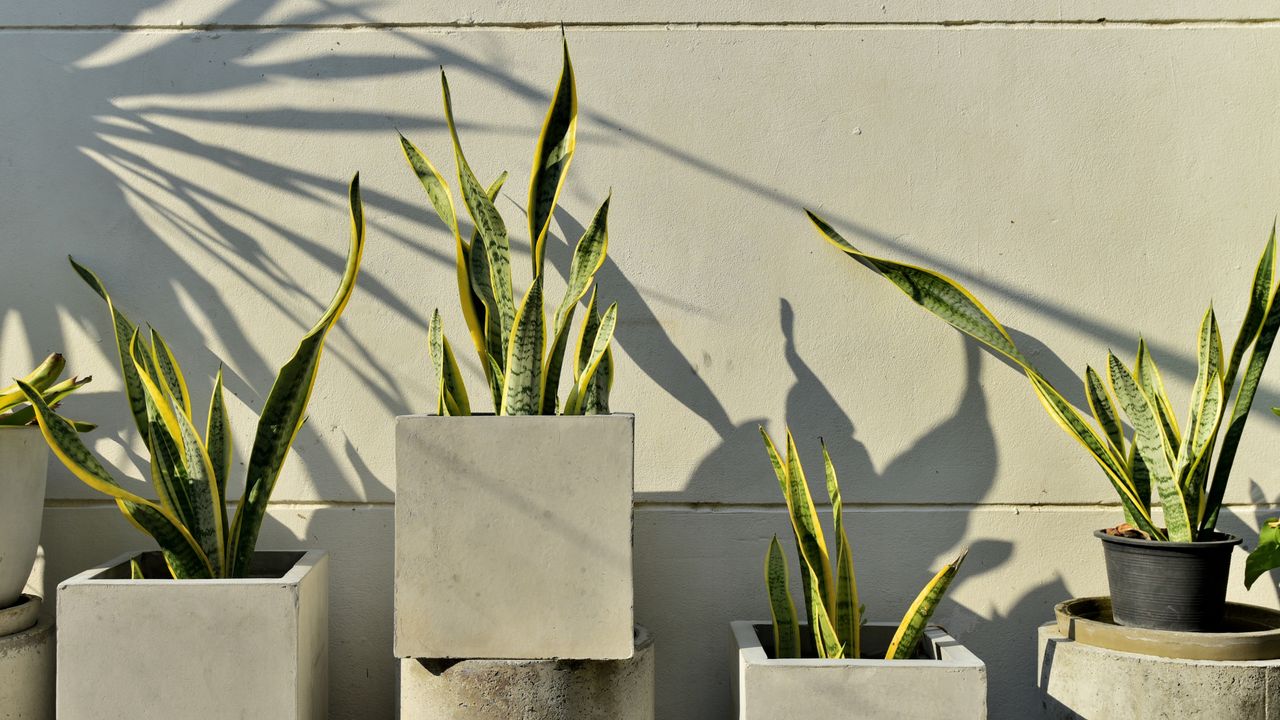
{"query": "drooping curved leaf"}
[(124, 330), (41, 379), (285, 408)]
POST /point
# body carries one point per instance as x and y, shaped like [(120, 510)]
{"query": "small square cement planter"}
[(513, 537), (26, 661), (255, 647), (945, 680)]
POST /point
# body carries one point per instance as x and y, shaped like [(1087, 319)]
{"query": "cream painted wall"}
[(1089, 180)]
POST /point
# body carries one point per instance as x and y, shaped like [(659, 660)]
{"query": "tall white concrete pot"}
[(513, 537), (945, 680), (24, 462), (255, 647)]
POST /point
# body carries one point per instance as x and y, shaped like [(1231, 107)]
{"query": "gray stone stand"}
[(530, 689), (26, 673), (1082, 681)]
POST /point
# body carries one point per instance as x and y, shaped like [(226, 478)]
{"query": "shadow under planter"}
[(531, 689), (943, 680), (253, 647), (26, 661), (513, 536)]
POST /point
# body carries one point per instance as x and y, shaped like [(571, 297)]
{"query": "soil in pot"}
[(1168, 585)]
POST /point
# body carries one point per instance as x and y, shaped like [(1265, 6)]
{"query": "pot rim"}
[(1224, 540)]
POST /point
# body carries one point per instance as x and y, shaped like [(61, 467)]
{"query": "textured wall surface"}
[(1090, 179)]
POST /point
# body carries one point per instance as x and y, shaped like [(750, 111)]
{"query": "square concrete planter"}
[(161, 649), (944, 681), (513, 537)]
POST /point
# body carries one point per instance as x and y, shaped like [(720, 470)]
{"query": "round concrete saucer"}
[(19, 617), (1252, 633)]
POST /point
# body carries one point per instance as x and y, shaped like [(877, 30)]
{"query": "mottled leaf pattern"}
[(1150, 441), (588, 256), (847, 613), (551, 159), (914, 622), (124, 330), (522, 390), (786, 625), (219, 443)]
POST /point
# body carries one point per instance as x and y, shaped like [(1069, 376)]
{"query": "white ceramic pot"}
[(24, 462)]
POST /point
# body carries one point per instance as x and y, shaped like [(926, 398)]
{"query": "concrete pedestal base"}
[(26, 673), (1082, 681), (530, 689)]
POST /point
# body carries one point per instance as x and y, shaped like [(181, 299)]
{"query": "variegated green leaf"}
[(1147, 373), (1249, 382), (522, 389), (846, 612), (1141, 483), (551, 159), (786, 626), (595, 401), (1150, 441), (599, 346), (824, 633), (1104, 410), (218, 442), (285, 408), (488, 223), (1193, 470), (170, 372), (442, 200), (917, 617), (449, 383), (1265, 557), (53, 395), (808, 529), (124, 330), (588, 256), (41, 378), (1259, 296)]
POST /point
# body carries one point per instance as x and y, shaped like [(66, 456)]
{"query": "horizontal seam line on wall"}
[(61, 503), (638, 25)]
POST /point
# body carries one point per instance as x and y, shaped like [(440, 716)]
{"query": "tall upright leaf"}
[(451, 392), (588, 256), (786, 626), (1151, 443), (219, 442), (551, 159), (847, 613), (905, 639), (286, 404), (522, 390)]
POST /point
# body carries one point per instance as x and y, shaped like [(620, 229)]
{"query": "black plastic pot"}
[(1168, 585)]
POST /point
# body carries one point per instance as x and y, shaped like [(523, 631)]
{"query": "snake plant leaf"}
[(523, 387), (285, 408), (1140, 481), (595, 401), (551, 159), (181, 468), (1259, 294), (180, 548), (588, 256), (1208, 363), (936, 293), (914, 622), (1265, 557), (1104, 410), (488, 223), (170, 372), (218, 442), (808, 529), (1243, 403), (824, 632), (41, 378), (786, 625), (1147, 373), (53, 395), (779, 467), (586, 336), (442, 200), (449, 383), (482, 291), (1194, 468), (124, 330), (599, 346), (847, 612), (1151, 442)]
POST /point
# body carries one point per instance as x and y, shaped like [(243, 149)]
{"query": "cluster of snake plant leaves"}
[(189, 470), (15, 411), (1175, 460), (831, 598), (520, 354)]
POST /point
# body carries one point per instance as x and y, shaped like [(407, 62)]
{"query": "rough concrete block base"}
[(944, 681), (26, 673), (252, 647), (1083, 681), (513, 537), (530, 689)]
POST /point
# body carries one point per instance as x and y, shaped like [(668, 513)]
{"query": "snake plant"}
[(16, 411), (1266, 556), (189, 470), (831, 597), (520, 353), (1158, 454)]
